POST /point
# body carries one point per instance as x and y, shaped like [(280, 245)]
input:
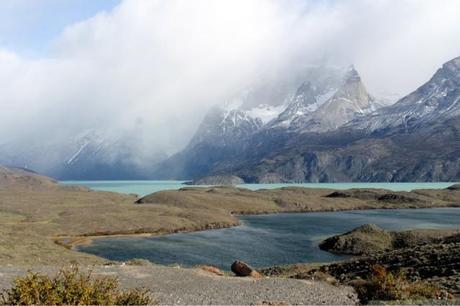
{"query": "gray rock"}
[(221, 180), (454, 187)]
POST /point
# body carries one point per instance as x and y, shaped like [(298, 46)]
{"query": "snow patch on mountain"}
[(436, 100), (265, 113), (75, 156)]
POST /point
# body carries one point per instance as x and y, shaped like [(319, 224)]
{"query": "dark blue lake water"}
[(267, 240)]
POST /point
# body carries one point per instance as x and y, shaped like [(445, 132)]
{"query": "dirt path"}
[(180, 286)]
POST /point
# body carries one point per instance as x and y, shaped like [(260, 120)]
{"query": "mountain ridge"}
[(383, 144)]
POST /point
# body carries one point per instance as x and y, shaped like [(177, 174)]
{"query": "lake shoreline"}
[(43, 220), (351, 202), (88, 240)]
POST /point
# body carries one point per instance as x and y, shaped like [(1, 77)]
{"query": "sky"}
[(29, 26), (153, 67)]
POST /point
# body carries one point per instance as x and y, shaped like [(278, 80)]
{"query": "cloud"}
[(155, 67)]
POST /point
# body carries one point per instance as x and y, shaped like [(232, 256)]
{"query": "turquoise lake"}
[(145, 187), (263, 240)]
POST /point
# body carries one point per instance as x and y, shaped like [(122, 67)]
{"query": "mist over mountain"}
[(90, 155), (115, 92), (347, 137)]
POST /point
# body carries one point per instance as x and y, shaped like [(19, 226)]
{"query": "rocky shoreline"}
[(428, 256), (370, 239)]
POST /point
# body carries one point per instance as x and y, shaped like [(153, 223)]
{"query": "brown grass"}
[(383, 285), (31, 222), (71, 287)]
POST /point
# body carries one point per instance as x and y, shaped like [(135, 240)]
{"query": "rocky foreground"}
[(438, 264), (431, 256), (180, 286)]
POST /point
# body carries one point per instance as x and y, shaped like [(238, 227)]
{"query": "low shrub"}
[(384, 285), (71, 287)]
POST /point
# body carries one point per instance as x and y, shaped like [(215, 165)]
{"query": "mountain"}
[(324, 99), (348, 136), (436, 100), (89, 155), (313, 112), (225, 127)]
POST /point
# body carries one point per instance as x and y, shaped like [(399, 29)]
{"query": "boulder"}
[(243, 269)]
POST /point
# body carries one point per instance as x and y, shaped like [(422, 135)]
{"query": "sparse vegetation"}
[(384, 285), (71, 287), (42, 226)]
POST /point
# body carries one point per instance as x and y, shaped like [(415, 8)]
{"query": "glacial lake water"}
[(145, 187), (266, 240)]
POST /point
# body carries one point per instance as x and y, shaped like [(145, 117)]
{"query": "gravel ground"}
[(180, 286)]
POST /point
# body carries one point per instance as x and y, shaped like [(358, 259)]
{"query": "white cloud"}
[(156, 66)]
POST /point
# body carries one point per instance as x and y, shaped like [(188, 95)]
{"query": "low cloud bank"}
[(153, 68)]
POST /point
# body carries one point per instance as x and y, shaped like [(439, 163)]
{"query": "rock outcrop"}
[(369, 239), (220, 180), (454, 187), (366, 239), (437, 263)]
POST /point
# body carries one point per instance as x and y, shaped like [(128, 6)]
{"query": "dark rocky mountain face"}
[(346, 138)]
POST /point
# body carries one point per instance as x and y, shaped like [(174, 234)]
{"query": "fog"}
[(153, 68)]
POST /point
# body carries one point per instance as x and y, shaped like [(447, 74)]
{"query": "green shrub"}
[(71, 287), (386, 286)]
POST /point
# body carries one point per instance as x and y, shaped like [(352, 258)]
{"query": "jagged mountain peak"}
[(352, 75), (353, 92), (436, 100), (349, 100)]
